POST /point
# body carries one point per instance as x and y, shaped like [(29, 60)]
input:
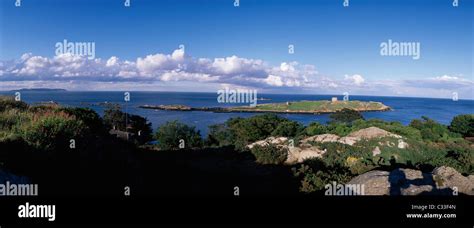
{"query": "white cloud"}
[(113, 61), (356, 79), (179, 69), (274, 80)]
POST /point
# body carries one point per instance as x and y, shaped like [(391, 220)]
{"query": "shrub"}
[(89, 117), (431, 130), (8, 102), (170, 134), (463, 124), (54, 132), (219, 135), (315, 175), (242, 131), (270, 154), (341, 129), (345, 116), (315, 128), (288, 129)]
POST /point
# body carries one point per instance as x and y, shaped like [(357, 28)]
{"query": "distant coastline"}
[(38, 90)]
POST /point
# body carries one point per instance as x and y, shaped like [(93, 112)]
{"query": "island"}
[(297, 107), (39, 90)]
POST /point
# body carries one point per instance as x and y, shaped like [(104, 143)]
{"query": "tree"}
[(173, 134), (345, 116), (89, 117), (288, 129), (114, 118), (463, 124), (245, 131)]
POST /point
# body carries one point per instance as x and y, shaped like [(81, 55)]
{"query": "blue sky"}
[(337, 48)]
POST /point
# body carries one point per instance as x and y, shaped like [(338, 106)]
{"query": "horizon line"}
[(154, 91)]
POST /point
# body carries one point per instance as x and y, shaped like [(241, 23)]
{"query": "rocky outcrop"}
[(372, 132), (305, 150), (354, 137), (279, 141), (296, 154), (442, 181), (321, 138), (299, 154)]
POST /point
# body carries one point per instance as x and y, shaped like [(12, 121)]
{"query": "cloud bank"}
[(182, 72)]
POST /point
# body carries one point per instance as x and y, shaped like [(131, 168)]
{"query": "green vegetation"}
[(345, 116), (176, 135), (269, 154), (240, 132), (463, 124), (35, 141), (321, 106)]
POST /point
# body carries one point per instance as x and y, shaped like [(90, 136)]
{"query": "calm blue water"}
[(405, 109)]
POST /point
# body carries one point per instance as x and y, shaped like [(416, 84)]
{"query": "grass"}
[(318, 106)]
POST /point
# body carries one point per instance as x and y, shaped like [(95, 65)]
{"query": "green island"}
[(298, 107)]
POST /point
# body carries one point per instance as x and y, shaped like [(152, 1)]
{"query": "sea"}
[(404, 109)]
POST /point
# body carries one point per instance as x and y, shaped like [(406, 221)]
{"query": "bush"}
[(269, 154), (89, 117), (315, 175), (288, 129), (341, 129), (315, 128), (170, 134), (242, 131), (7, 103), (463, 124), (219, 135), (431, 130), (345, 116), (53, 132)]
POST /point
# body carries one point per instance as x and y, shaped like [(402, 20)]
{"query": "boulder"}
[(321, 138), (442, 181), (402, 144), (376, 182), (447, 177), (299, 154), (270, 140), (376, 151), (349, 140)]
